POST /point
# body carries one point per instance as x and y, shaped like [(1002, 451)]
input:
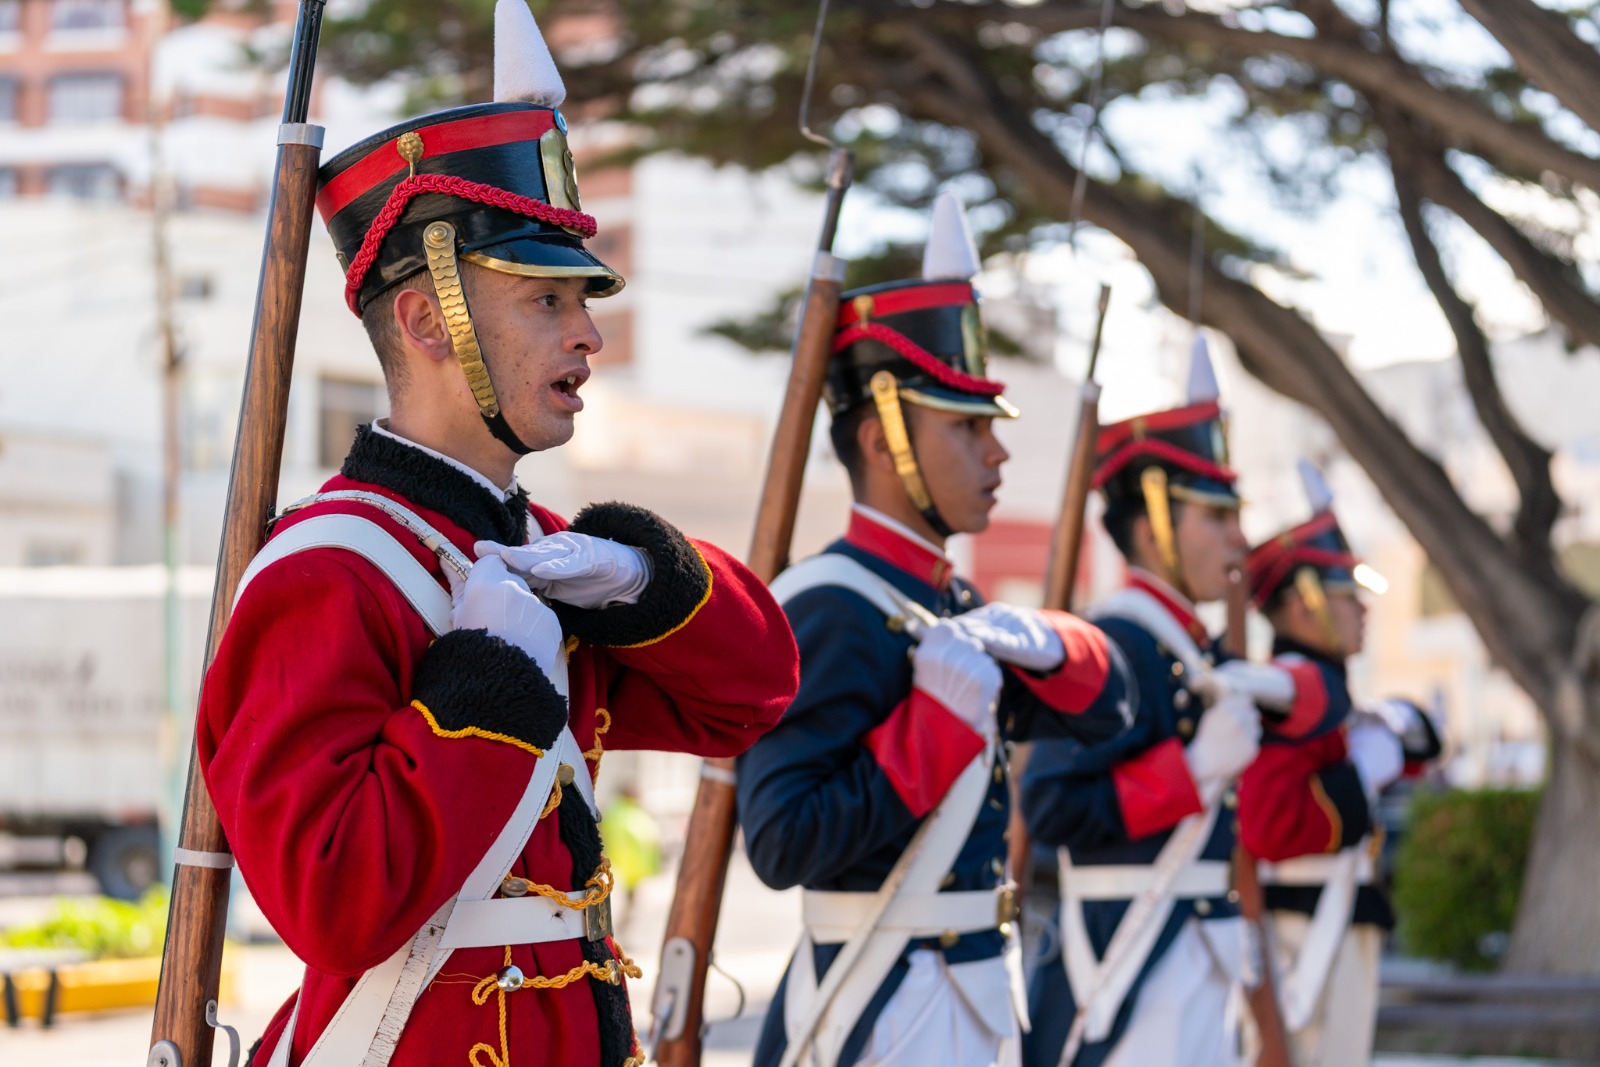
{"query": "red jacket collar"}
[(897, 549), (1176, 604)]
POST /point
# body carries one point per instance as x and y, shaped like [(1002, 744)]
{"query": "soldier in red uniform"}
[(423, 669), (1306, 803)]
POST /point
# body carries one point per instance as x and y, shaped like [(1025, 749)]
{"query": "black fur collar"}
[(437, 486)]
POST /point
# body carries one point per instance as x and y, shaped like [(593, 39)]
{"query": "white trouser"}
[(931, 1020), (1182, 1016), (1341, 1027)]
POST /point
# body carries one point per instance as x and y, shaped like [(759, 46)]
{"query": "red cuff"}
[(1073, 686), (1155, 789), (923, 747), (1310, 699)]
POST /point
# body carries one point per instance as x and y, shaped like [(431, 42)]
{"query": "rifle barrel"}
[(191, 962)]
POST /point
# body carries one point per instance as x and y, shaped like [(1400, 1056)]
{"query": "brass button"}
[(994, 802), (1202, 907), (565, 774), (1186, 728), (998, 865), (999, 773), (513, 886), (1177, 668), (1230, 799), (510, 978), (949, 939), (1180, 699), (966, 596)]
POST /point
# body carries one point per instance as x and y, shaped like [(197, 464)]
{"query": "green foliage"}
[(100, 926), (1458, 873)]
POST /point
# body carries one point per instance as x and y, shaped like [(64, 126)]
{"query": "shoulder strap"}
[(1145, 611), (836, 569), (369, 541)]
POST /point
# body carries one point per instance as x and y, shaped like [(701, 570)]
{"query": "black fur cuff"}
[(680, 581), (1342, 785), (471, 681)]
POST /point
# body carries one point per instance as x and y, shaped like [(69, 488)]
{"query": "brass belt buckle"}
[(597, 921), (1006, 906)]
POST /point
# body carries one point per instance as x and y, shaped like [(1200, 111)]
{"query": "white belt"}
[(1201, 878), (513, 921), (831, 917), (1314, 870)]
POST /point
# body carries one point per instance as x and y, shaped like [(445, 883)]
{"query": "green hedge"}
[(1458, 873), (100, 926)]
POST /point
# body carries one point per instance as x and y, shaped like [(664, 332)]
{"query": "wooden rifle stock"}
[(1263, 996), (697, 899), (191, 961)]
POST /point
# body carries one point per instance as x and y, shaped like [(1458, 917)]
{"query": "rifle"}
[(1263, 995), (1066, 548), (678, 1007), (191, 963)]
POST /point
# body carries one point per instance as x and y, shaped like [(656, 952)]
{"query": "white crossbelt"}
[(1316, 870), (512, 921), (832, 917), (1199, 878)]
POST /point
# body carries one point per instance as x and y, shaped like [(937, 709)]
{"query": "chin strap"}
[(886, 397), (1309, 586), (1158, 506), (439, 242)]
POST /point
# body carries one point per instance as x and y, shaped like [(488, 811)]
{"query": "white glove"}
[(953, 669), (1269, 686), (576, 569), (1376, 753), (1014, 635), (1225, 741), (491, 598)]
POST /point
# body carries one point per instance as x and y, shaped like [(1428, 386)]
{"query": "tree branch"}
[(1381, 76), (1527, 624), (1552, 280), (1546, 50), (1528, 461)]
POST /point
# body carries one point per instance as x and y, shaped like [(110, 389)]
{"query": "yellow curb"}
[(103, 985)]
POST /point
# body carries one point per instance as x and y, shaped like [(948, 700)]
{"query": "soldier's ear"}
[(421, 326), (874, 445)]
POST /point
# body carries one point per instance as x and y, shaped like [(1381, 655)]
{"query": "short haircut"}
[(845, 435), (1120, 517), (378, 319)]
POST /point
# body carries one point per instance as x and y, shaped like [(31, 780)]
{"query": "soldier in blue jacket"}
[(883, 790), (1140, 968)]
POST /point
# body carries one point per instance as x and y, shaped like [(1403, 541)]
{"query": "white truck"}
[(90, 758)]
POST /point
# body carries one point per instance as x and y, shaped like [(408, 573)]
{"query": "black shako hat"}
[(501, 174)]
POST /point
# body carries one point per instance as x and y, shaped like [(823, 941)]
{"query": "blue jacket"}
[(831, 797), (1115, 802)]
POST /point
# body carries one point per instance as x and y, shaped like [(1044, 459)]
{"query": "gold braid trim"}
[(602, 723), (612, 971), (599, 884)]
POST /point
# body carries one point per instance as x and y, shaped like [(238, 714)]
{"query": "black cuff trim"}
[(477, 685), (1342, 785), (680, 581)]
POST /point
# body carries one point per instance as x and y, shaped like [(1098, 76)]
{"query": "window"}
[(8, 183), (8, 100), (85, 97), (343, 405), (86, 14), (84, 181), (10, 16)]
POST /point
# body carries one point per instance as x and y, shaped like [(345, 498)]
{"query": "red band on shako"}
[(450, 185), (1271, 563), (1161, 450), (1114, 435), (462, 135), (914, 298), (943, 373)]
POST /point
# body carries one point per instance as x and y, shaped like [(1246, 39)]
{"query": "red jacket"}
[(356, 807)]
